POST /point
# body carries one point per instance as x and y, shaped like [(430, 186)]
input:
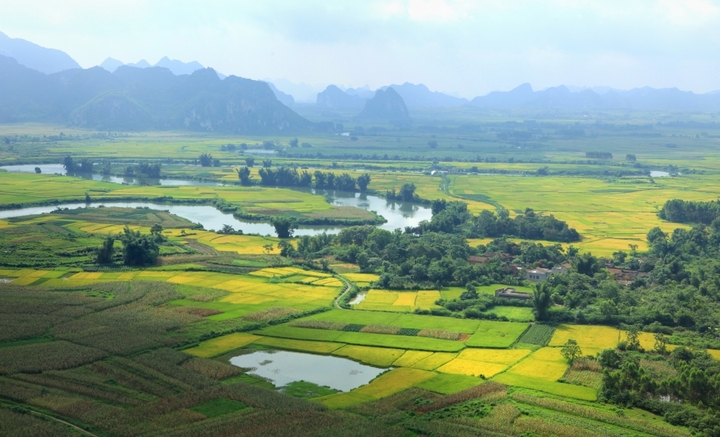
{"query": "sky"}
[(453, 46)]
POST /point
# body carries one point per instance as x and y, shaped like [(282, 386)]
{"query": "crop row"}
[(538, 334), (376, 329)]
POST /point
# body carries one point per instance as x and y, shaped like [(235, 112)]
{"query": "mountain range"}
[(177, 67), (33, 56), (134, 98)]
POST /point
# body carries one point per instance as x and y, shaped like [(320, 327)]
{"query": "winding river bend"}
[(397, 214)]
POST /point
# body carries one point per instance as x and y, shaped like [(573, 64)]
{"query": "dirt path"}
[(202, 248), (348, 287), (77, 428)]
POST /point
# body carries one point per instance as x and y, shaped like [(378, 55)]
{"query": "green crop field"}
[(123, 349)]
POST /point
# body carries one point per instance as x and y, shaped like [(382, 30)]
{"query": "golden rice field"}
[(375, 356), (609, 214), (545, 363), (319, 347), (247, 293), (591, 339), (410, 358), (399, 301), (486, 362), (220, 345), (383, 386)]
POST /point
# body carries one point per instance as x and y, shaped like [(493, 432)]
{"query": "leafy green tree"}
[(363, 181), (69, 164), (407, 192), (38, 170), (633, 338), (106, 251), (267, 163), (571, 350), (469, 293), (660, 344), (244, 176), (205, 159), (138, 249), (542, 300), (432, 144), (284, 227), (250, 161), (294, 142)]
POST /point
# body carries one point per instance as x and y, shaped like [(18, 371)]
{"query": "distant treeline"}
[(599, 155), (681, 211), (290, 177)]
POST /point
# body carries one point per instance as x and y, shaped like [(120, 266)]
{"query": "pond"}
[(659, 174), (283, 368), (358, 298)]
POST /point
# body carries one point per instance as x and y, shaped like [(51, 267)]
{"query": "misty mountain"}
[(335, 98), (285, 99), (33, 56), (150, 98), (562, 98), (111, 64), (386, 106), (364, 92), (419, 96), (177, 67)]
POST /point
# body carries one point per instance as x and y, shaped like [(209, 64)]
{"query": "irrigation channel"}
[(397, 214)]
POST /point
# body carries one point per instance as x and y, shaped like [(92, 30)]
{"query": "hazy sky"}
[(469, 47)]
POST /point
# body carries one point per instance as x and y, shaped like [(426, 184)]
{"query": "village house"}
[(625, 277), (540, 274), (511, 293)]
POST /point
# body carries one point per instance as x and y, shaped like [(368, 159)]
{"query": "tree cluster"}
[(599, 155), (681, 211)]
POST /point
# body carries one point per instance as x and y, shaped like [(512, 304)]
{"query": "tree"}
[(407, 192), (541, 300), (88, 200), (630, 157), (138, 249), (244, 176), (294, 142), (268, 248), (432, 144), (571, 350), (105, 252), (660, 344), (69, 164), (250, 161), (156, 231), (469, 293), (38, 170), (267, 163), (227, 229), (363, 181), (284, 227), (205, 159), (633, 338)]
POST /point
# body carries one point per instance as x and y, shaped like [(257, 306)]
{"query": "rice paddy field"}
[(130, 341)]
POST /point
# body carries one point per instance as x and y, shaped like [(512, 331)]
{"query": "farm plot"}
[(383, 386), (485, 362), (375, 356), (538, 334), (591, 339), (399, 301), (220, 345), (496, 334), (446, 383)]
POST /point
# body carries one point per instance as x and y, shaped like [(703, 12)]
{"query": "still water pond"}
[(283, 368)]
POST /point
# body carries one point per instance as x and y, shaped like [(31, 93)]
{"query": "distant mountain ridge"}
[(150, 98), (177, 67), (33, 56), (561, 98), (386, 106)]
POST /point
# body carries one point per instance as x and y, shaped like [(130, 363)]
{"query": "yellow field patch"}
[(182, 280), (410, 358), (427, 299), (25, 280), (499, 356), (220, 345), (545, 363), (328, 282), (394, 381), (321, 347), (589, 338), (462, 366), (361, 277), (127, 276), (434, 361), (406, 299), (376, 356)]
